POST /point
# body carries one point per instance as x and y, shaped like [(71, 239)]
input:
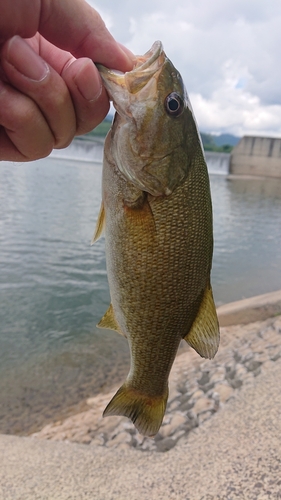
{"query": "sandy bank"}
[(199, 388), (246, 311)]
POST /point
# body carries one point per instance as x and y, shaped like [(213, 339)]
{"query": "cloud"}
[(227, 52), (231, 108)]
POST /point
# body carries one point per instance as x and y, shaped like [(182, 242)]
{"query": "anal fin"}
[(109, 322), (204, 335)]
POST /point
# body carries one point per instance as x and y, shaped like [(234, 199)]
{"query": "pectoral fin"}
[(108, 321), (204, 335), (100, 225)]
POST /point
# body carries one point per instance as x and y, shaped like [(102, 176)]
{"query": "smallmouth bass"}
[(157, 217)]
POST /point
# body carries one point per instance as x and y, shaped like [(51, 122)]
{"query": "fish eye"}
[(174, 104)]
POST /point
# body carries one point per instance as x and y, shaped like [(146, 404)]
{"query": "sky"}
[(227, 51)]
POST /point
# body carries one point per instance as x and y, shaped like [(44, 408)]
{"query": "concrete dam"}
[(92, 152), (257, 156)]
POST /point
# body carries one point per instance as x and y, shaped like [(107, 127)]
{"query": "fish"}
[(156, 216)]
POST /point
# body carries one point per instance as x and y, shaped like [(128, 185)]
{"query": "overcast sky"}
[(227, 51)]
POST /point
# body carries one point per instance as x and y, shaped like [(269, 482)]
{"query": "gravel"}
[(198, 390)]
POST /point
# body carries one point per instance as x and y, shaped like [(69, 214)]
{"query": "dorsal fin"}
[(99, 225), (204, 335), (108, 321)]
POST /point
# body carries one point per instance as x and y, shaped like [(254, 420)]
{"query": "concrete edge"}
[(245, 311)]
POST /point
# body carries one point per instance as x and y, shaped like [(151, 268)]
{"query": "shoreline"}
[(199, 388), (257, 308)]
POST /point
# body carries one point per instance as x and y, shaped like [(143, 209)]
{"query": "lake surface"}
[(53, 284)]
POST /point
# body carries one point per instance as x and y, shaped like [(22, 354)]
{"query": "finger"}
[(31, 75), (24, 132), (19, 17), (89, 97)]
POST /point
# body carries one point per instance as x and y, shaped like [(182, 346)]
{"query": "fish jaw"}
[(133, 81), (148, 145)]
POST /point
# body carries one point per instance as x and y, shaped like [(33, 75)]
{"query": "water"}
[(247, 232), (53, 284)]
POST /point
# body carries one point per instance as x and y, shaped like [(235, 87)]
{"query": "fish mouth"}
[(133, 81)]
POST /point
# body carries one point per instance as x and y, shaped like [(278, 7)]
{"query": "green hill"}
[(222, 139), (222, 143)]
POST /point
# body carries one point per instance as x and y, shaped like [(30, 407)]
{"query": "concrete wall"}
[(256, 156)]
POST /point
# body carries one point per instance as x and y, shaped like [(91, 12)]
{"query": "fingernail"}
[(89, 82), (25, 60)]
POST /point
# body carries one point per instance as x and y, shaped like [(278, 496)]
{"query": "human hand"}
[(46, 95)]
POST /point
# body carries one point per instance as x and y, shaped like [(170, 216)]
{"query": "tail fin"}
[(145, 412)]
